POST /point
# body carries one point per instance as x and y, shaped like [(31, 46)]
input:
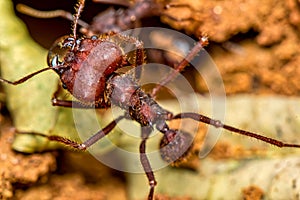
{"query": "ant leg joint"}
[(152, 183), (204, 40), (54, 101), (82, 147), (217, 123)]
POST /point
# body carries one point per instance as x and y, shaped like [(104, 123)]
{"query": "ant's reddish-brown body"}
[(85, 68), (89, 69)]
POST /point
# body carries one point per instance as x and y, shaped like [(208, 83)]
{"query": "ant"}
[(89, 68), (110, 20)]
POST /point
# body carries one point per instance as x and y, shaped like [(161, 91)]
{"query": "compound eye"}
[(54, 61), (94, 37), (58, 51), (64, 86)]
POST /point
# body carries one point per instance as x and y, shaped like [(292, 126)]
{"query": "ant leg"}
[(69, 104), (146, 130), (140, 56), (114, 2), (200, 44), (123, 18), (219, 124), (48, 14), (72, 104), (80, 146), (22, 80)]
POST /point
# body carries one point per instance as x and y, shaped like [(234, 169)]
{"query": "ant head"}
[(63, 47), (60, 52)]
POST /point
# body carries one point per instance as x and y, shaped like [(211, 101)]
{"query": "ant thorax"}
[(123, 91)]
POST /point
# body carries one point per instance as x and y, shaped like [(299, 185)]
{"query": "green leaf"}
[(30, 103)]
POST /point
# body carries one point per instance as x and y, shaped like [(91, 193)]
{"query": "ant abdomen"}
[(175, 146)]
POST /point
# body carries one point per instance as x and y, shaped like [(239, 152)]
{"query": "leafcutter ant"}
[(89, 68)]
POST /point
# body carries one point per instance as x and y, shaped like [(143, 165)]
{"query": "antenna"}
[(78, 9)]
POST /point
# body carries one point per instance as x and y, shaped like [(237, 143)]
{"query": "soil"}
[(253, 193), (254, 45), (257, 43), (54, 175)]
